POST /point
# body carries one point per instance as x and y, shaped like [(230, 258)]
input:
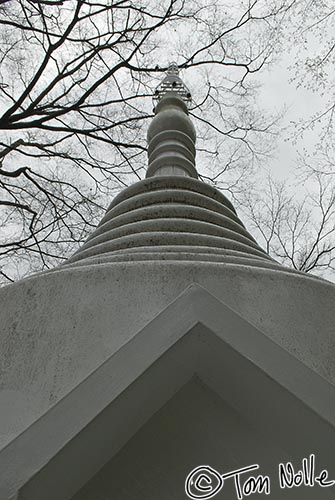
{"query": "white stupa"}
[(169, 341)]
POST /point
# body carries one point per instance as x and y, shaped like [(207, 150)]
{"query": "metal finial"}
[(172, 83)]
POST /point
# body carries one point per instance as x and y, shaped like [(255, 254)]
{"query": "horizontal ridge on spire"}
[(172, 218)]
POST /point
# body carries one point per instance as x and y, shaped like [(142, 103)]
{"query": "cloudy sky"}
[(179, 40)]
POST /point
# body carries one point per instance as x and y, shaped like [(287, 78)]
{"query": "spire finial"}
[(171, 135), (172, 83)]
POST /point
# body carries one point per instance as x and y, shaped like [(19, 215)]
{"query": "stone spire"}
[(171, 134), (171, 215)]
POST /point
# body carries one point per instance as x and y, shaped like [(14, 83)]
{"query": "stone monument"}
[(168, 351)]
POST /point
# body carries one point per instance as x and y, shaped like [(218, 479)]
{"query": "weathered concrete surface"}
[(165, 212), (287, 402), (157, 238), (171, 139), (193, 428), (57, 327)]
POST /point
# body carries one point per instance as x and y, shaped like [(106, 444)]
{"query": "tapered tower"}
[(170, 340)]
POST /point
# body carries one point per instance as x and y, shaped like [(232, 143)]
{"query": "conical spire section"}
[(171, 134)]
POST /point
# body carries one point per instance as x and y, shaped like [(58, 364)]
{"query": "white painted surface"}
[(58, 327)]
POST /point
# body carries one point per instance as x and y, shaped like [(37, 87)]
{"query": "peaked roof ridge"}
[(195, 306)]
